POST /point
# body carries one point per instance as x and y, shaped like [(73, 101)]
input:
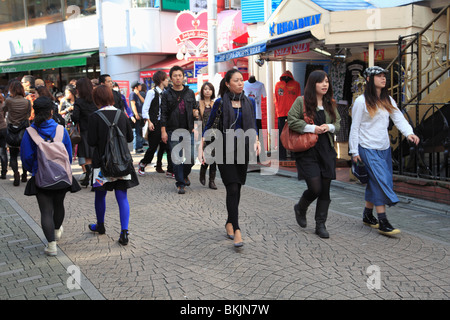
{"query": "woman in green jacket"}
[(318, 164)]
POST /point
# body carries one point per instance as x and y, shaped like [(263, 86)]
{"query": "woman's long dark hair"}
[(223, 84), (372, 99), (85, 88), (210, 86), (310, 105)]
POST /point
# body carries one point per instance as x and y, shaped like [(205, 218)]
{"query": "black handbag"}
[(14, 133)]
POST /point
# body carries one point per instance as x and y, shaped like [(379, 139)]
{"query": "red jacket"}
[(285, 94)]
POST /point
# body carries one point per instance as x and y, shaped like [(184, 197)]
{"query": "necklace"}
[(236, 104)]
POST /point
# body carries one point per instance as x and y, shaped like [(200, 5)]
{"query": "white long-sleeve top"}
[(372, 133), (148, 100)]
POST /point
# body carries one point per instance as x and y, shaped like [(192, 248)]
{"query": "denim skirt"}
[(380, 188)]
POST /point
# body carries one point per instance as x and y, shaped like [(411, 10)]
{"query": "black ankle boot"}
[(212, 185), (203, 174), (87, 177), (321, 217), (16, 179), (123, 240), (300, 211), (97, 227), (386, 228), (370, 220)]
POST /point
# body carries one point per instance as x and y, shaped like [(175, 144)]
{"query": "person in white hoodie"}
[(369, 143)]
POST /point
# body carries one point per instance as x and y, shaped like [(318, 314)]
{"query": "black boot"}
[(203, 174), (386, 228), (212, 177), (16, 178), (24, 176), (87, 177), (123, 240), (321, 217), (300, 211), (97, 227), (369, 219)]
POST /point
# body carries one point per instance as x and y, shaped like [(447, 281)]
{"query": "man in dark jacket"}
[(177, 112), (106, 80)]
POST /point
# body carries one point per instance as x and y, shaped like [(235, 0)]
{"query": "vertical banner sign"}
[(193, 36)]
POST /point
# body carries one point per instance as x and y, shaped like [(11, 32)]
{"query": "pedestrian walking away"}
[(177, 112), (17, 110), (235, 111), (98, 131), (207, 96), (84, 106), (50, 199), (369, 143), (151, 112), (317, 165), (3, 151)]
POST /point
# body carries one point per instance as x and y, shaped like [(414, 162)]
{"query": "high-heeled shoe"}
[(229, 236), (123, 240), (97, 227)]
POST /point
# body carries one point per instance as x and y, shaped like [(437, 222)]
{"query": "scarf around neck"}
[(248, 112)]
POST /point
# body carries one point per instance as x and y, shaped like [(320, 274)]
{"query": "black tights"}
[(51, 205), (317, 188), (232, 200)]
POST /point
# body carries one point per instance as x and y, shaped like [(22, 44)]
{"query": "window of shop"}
[(21, 13), (145, 3)]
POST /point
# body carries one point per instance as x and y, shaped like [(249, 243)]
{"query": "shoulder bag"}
[(298, 142)]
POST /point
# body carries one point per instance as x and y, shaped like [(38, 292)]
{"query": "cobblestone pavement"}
[(178, 249)]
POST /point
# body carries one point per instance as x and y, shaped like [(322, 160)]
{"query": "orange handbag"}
[(298, 142)]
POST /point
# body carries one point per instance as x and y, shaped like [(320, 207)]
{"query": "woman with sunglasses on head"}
[(316, 165), (237, 111), (369, 143)]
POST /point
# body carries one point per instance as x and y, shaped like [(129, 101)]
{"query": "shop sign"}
[(282, 52), (297, 24), (378, 56), (300, 48), (193, 36), (295, 49)]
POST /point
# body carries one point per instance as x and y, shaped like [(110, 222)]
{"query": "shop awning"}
[(61, 61), (248, 50), (315, 32), (163, 65)]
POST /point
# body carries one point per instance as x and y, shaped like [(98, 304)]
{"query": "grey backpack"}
[(54, 170)]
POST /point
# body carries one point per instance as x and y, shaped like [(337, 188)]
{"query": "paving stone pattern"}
[(178, 249)]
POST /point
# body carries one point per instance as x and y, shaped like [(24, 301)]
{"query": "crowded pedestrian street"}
[(178, 248)]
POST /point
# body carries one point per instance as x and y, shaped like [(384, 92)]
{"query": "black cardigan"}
[(98, 132)]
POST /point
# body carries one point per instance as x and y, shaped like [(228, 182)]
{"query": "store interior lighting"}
[(322, 51)]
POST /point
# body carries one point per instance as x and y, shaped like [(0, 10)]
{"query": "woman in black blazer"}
[(97, 137)]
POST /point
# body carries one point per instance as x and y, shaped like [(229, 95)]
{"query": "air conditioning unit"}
[(232, 4)]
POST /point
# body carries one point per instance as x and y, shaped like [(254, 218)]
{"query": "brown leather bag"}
[(298, 142)]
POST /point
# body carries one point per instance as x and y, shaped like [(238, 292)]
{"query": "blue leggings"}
[(122, 201)]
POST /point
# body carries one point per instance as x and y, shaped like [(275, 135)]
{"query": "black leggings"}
[(232, 200), (51, 205), (317, 188)]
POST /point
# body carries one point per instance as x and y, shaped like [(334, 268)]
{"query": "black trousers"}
[(51, 205), (154, 141), (3, 152)]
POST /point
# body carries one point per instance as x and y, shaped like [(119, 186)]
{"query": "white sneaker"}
[(51, 249), (58, 233)]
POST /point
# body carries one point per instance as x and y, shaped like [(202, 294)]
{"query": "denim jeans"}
[(181, 168), (138, 141)]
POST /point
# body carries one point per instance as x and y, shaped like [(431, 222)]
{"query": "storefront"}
[(340, 42), (56, 71)]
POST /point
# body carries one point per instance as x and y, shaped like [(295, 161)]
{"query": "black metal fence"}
[(430, 159)]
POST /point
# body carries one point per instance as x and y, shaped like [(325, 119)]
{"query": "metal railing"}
[(421, 66)]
